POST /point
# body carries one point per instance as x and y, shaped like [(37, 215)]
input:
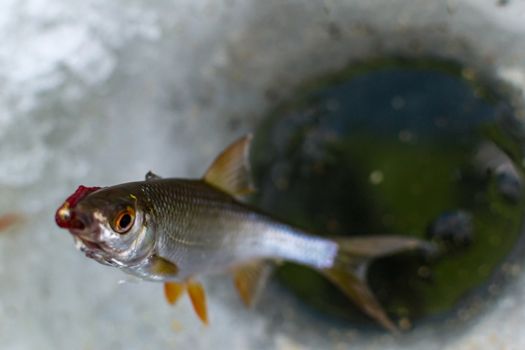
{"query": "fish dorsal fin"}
[(230, 171), (249, 280), (150, 175)]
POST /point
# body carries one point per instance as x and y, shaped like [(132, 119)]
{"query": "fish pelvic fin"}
[(250, 278), (230, 171), (174, 290), (349, 272)]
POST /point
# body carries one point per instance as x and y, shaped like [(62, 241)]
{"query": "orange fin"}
[(230, 171), (9, 220), (249, 280), (198, 299), (173, 291)]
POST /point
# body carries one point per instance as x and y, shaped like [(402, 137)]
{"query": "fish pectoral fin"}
[(230, 171), (198, 299), (150, 175), (162, 267), (249, 280), (173, 291)]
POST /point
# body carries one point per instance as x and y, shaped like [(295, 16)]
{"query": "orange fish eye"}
[(124, 220)]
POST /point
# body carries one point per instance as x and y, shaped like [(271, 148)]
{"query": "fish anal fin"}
[(198, 300), (161, 267), (230, 171), (173, 291), (249, 280), (150, 175)]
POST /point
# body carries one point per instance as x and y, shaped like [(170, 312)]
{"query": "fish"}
[(174, 231)]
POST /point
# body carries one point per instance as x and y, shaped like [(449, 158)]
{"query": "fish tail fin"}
[(350, 267)]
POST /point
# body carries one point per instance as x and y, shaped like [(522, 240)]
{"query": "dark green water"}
[(419, 148)]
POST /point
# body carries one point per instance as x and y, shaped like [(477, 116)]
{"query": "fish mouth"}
[(88, 230), (88, 240), (86, 246), (93, 250)]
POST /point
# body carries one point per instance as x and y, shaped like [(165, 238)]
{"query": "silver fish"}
[(172, 230)]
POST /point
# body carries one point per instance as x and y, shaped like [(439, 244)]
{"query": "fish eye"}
[(124, 220)]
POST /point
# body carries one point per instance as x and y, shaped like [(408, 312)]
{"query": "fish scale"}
[(227, 232)]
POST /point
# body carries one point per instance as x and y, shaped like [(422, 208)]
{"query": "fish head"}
[(108, 224)]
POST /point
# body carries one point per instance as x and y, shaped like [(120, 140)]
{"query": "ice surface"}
[(97, 92)]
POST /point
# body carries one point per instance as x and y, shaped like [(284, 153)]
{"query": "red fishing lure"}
[(63, 216)]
